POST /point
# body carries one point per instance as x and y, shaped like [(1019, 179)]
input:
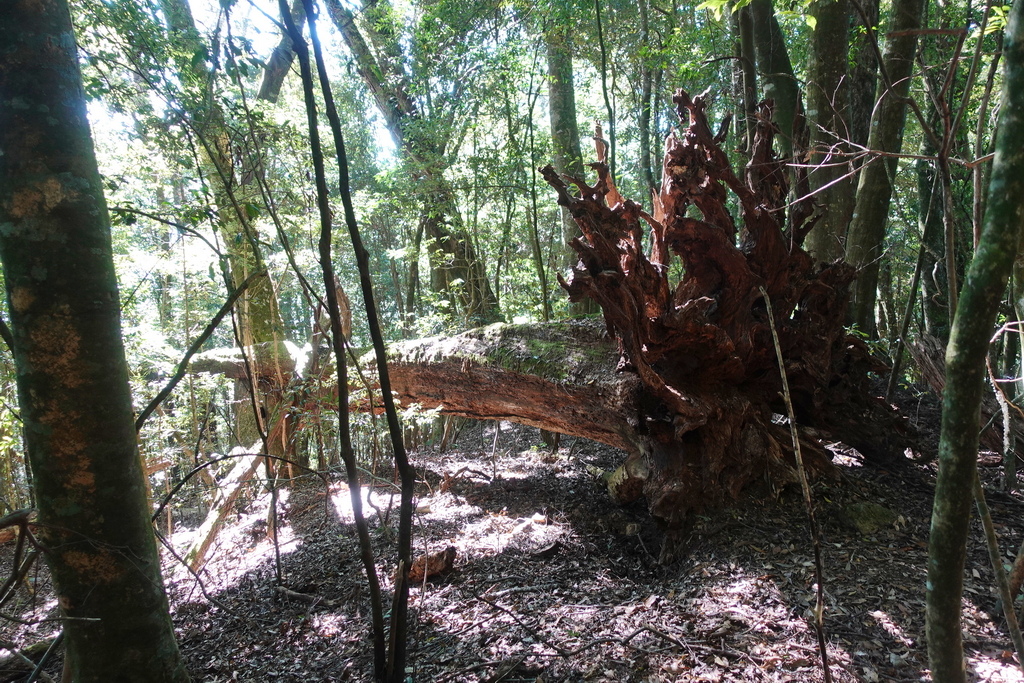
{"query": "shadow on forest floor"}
[(553, 582)]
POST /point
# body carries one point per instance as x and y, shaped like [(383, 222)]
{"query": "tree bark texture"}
[(559, 377), (866, 236), (863, 71), (965, 369), (827, 112), (565, 137), (702, 346), (72, 375), (280, 62), (776, 71), (748, 67)]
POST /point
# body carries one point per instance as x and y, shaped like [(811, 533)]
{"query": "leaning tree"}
[(687, 379)]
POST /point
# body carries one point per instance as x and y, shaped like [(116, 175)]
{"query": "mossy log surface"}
[(556, 376)]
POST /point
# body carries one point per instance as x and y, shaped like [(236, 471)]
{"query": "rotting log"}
[(227, 493)]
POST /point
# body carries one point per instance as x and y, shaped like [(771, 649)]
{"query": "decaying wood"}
[(559, 377), (929, 356), (701, 346), (227, 493), (683, 376), (434, 564), (695, 395)]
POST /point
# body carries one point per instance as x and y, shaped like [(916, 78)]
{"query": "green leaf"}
[(716, 7)]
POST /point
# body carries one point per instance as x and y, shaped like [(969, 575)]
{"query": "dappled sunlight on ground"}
[(552, 582)]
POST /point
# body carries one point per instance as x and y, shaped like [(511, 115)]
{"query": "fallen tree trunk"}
[(556, 376)]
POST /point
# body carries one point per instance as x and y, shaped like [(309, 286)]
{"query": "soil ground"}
[(552, 582)]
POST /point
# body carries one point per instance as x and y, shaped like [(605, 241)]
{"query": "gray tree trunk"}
[(565, 139), (827, 96), (776, 72), (863, 72)]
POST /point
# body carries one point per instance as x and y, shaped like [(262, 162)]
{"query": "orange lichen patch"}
[(55, 344), (66, 439), (100, 566), (39, 198), (22, 298), (82, 480)]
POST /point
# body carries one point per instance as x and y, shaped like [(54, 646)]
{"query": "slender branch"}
[(997, 568), (337, 338), (397, 646)]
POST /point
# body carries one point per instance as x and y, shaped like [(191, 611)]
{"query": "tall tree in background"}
[(776, 71), (863, 67), (827, 94), (874, 191), (234, 189), (73, 380), (965, 369), (565, 134), (424, 120)]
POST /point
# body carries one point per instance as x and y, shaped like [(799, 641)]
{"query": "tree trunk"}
[(863, 72), (965, 369), (280, 62), (867, 229), (643, 119), (234, 188), (565, 137), (231, 180), (748, 68), (827, 96), (776, 71), (72, 376)]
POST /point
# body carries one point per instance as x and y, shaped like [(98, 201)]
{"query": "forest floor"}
[(552, 582)]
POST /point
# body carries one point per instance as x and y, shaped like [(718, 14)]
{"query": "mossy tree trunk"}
[(565, 135), (866, 235), (776, 71), (827, 97), (72, 376), (965, 369)]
